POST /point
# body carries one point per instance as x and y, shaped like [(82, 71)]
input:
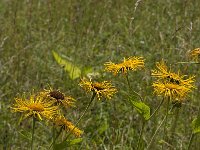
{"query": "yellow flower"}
[(101, 89), (58, 97), (60, 120), (35, 106), (132, 63), (163, 73), (171, 90), (195, 54)]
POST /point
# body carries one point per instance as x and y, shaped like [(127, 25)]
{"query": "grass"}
[(90, 33)]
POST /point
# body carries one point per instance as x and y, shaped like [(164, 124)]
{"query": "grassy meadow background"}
[(90, 33)]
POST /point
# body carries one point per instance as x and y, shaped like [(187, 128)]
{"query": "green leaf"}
[(103, 128), (196, 125), (87, 70), (142, 108), (67, 143), (73, 70)]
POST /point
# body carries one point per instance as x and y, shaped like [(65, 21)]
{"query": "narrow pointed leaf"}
[(103, 128)]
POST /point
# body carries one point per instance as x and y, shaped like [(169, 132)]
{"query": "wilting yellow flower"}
[(60, 120), (195, 54), (58, 97), (171, 90), (101, 89), (165, 74), (35, 106), (132, 63)]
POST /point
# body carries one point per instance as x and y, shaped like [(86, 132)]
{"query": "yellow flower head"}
[(163, 73), (195, 54), (35, 106), (58, 97), (101, 89), (60, 120), (171, 90), (132, 63)]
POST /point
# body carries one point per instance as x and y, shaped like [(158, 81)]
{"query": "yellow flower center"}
[(97, 86), (171, 86), (173, 79), (36, 107)]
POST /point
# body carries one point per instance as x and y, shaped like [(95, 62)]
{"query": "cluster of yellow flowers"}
[(45, 105), (105, 88)]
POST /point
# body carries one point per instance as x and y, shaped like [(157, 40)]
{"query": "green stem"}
[(128, 82), (149, 145), (156, 109), (53, 131), (55, 138), (33, 131), (130, 88), (141, 133), (165, 122), (190, 142), (173, 129), (91, 100)]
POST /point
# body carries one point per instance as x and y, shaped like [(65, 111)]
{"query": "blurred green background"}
[(90, 33)]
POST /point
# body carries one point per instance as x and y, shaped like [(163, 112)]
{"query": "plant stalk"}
[(130, 88), (149, 145), (91, 100), (33, 131), (141, 133), (173, 129), (191, 140), (165, 122), (156, 109)]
